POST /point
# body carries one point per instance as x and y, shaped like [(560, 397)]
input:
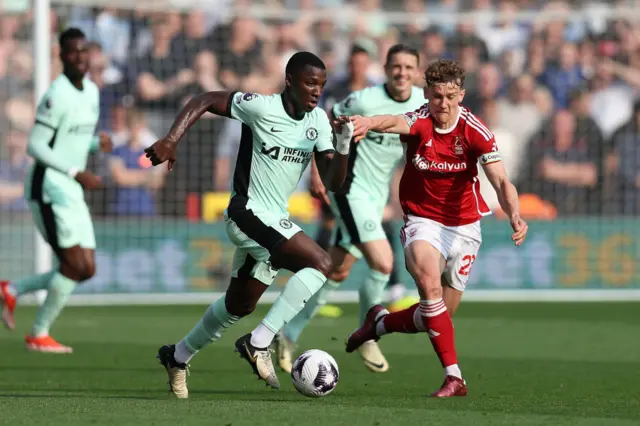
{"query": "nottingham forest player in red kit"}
[(440, 196)]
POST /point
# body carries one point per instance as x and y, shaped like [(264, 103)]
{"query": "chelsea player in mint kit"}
[(60, 143), (280, 134)]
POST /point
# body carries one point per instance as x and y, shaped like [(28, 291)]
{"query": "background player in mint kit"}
[(280, 134), (359, 205), (60, 142), (441, 200)]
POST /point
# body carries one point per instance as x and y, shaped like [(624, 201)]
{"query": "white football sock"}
[(262, 336), (182, 354), (380, 330), (453, 370)]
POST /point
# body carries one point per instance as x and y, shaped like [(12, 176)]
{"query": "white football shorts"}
[(458, 245)]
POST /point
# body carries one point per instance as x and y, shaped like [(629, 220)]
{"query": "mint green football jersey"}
[(73, 115), (275, 149), (373, 160)]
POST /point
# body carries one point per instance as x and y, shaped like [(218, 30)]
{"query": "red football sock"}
[(437, 322), (399, 322)]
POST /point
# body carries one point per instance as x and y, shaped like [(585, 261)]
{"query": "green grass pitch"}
[(526, 364)]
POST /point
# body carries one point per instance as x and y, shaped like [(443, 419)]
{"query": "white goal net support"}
[(557, 82)]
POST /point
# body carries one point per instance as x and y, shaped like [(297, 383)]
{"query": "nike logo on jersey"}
[(430, 143), (274, 130)]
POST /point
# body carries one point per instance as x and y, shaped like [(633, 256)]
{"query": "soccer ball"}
[(315, 373)]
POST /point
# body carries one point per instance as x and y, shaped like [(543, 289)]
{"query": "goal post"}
[(43, 256)]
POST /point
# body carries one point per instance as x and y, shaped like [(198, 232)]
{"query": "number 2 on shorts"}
[(467, 261)]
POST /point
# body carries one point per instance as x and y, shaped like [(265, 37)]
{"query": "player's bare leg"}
[(240, 300), (311, 266), (451, 297), (285, 342)]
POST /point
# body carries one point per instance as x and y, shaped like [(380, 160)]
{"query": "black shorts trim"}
[(244, 273), (50, 228), (347, 217), (250, 224)]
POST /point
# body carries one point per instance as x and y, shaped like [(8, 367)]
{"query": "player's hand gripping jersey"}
[(440, 180)]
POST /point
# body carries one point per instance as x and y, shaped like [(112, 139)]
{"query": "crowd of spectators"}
[(560, 94)]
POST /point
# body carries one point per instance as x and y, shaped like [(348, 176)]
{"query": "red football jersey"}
[(440, 179)]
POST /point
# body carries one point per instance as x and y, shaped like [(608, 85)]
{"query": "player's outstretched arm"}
[(215, 102), (508, 199), (397, 124)]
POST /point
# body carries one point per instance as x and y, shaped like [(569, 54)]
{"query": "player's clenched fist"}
[(360, 127), (161, 151)]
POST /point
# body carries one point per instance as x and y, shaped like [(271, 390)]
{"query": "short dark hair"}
[(444, 71), (356, 49), (402, 48), (70, 34), (301, 60)]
